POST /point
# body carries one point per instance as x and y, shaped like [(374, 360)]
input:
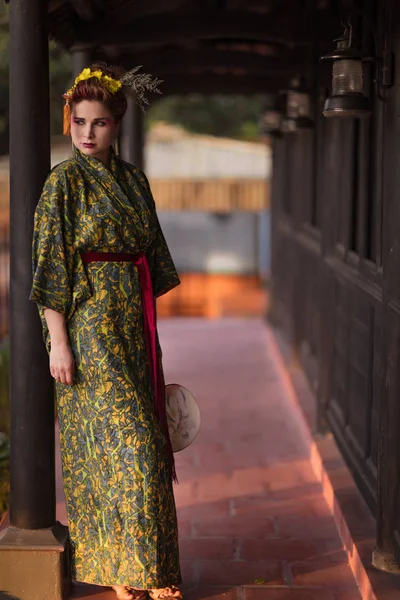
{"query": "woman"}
[(99, 258)]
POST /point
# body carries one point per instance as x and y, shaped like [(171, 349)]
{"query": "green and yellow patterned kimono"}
[(118, 489)]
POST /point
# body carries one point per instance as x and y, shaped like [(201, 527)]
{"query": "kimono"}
[(118, 489)]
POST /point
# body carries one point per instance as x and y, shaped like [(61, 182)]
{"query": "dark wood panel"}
[(377, 369), (388, 444), (344, 282), (361, 374), (389, 465), (307, 310)]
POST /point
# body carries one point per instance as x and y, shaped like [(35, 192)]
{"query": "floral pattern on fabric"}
[(120, 502)]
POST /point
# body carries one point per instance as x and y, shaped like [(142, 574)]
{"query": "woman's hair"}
[(93, 89)]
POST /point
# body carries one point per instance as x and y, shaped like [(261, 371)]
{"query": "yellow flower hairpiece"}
[(111, 84), (132, 82)]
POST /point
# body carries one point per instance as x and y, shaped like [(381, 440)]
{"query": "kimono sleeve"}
[(163, 272), (51, 283)]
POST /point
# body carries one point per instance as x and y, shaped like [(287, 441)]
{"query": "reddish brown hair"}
[(92, 89)]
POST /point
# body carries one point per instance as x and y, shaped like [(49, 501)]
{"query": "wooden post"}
[(81, 58), (32, 417), (32, 549), (387, 552), (132, 135)]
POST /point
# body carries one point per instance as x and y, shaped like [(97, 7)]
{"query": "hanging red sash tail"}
[(150, 328)]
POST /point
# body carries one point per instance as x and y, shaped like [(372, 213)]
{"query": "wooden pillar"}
[(387, 553), (132, 135), (32, 418), (81, 58), (32, 549)]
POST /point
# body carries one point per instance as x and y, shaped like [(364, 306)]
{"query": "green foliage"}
[(228, 116)]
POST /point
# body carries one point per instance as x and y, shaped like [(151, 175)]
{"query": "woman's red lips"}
[(88, 145)]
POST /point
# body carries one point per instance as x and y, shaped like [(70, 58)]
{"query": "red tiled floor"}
[(321, 571), (212, 593), (239, 572), (288, 594), (278, 549), (254, 524), (347, 596), (212, 549), (235, 526), (303, 527)]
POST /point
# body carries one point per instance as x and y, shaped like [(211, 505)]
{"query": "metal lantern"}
[(270, 123), (289, 125), (298, 108), (347, 99)]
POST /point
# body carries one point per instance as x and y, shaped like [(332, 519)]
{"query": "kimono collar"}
[(127, 195), (92, 162)]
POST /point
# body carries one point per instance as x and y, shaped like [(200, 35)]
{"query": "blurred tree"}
[(228, 116)]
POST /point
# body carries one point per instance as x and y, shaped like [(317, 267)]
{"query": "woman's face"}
[(93, 129)]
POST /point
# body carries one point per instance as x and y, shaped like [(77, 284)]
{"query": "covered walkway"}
[(254, 523)]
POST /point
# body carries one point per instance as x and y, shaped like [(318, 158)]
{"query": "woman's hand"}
[(62, 363)]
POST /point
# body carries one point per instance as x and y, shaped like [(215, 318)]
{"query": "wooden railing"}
[(215, 195)]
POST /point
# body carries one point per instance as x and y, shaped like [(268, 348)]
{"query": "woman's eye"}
[(78, 122), (101, 123)]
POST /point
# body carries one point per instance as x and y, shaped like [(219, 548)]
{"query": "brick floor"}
[(254, 524)]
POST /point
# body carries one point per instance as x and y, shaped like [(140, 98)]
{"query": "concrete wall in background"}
[(207, 243), (205, 157)]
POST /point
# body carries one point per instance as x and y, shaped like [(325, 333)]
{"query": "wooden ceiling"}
[(205, 46)]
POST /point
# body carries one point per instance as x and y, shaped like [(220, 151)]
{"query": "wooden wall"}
[(336, 277)]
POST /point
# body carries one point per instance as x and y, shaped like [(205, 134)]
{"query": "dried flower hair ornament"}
[(132, 83)]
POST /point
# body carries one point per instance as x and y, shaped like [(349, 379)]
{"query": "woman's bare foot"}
[(168, 593), (124, 592)]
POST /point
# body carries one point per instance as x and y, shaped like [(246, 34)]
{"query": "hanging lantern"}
[(298, 108), (289, 125), (270, 123), (347, 99)]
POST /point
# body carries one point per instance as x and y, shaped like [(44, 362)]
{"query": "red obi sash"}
[(150, 327)]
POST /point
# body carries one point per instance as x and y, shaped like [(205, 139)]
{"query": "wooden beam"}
[(143, 8), (213, 6), (261, 6), (174, 28), (85, 9), (175, 61), (221, 84)]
